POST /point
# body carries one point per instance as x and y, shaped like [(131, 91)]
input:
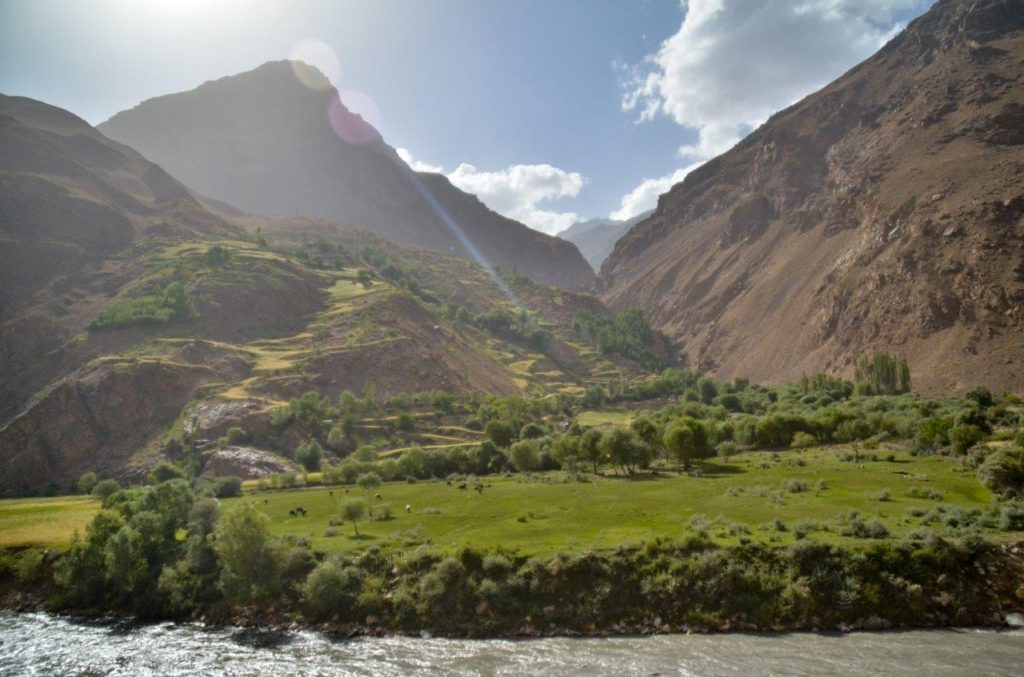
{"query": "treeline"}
[(627, 334)]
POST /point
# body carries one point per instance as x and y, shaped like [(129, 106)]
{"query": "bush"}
[(1003, 472), (802, 440), (228, 486), (860, 528), (104, 489), (309, 454), (175, 302), (236, 435), (164, 472), (29, 566), (524, 456), (86, 483), (331, 590)]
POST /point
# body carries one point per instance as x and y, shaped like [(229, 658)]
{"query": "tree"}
[(309, 455), (590, 448), (352, 511), (331, 589), (165, 472), (500, 432), (104, 489), (524, 456), (366, 482), (626, 450), (708, 390), (881, 374), (532, 431), (251, 561), (405, 422), (86, 483), (647, 431), (687, 440)]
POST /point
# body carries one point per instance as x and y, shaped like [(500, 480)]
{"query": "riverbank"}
[(662, 588)]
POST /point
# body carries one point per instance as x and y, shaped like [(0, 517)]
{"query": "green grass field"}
[(548, 513), (44, 521)]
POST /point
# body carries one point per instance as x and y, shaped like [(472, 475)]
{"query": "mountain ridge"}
[(883, 212), (266, 143)]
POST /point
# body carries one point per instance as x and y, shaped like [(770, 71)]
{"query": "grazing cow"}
[(378, 497), (449, 482), (479, 488), (346, 491), (462, 486), (408, 508), (265, 501), (331, 493), (292, 513)]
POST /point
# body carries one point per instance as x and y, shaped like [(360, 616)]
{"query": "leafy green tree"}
[(881, 374), (686, 441), (368, 482), (524, 456), (104, 489), (353, 510), (590, 448), (532, 431), (626, 450), (331, 589), (500, 432), (648, 432), (309, 454), (86, 483), (165, 472), (405, 422), (707, 389), (250, 559)]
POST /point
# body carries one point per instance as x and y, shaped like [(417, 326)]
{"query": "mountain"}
[(267, 143), (884, 212), (136, 315), (595, 238)]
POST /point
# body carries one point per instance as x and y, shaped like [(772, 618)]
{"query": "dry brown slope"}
[(885, 212)]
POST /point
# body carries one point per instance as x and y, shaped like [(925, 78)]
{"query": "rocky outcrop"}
[(882, 213), (248, 463), (100, 417)]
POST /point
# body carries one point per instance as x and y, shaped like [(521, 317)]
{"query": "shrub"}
[(309, 454), (795, 486), (860, 528), (86, 483), (331, 590), (175, 302), (236, 435), (524, 456), (1003, 472), (164, 472), (29, 566), (802, 440), (104, 489), (884, 495)]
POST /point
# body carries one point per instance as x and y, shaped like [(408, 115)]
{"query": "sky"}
[(552, 111)]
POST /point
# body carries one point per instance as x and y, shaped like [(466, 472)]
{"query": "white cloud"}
[(645, 196), (417, 165), (518, 191), (515, 192), (733, 63)]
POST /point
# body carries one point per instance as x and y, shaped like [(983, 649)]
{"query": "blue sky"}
[(550, 110)]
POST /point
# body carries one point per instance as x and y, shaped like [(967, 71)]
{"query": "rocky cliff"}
[(884, 212)]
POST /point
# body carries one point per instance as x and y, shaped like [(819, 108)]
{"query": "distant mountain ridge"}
[(884, 212), (264, 142), (595, 238)]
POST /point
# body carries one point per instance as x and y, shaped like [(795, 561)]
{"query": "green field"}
[(44, 521), (547, 513)]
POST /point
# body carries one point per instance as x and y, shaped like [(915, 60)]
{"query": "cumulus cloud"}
[(418, 165), (516, 192), (733, 63), (645, 196)]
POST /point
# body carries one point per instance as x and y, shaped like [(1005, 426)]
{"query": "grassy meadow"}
[(761, 496)]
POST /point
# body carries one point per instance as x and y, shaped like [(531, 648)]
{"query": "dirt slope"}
[(885, 212)]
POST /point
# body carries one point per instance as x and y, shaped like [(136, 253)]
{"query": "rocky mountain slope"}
[(130, 308), (265, 142), (884, 212), (595, 238)]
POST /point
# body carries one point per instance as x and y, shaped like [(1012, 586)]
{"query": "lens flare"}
[(350, 125), (456, 230), (319, 55)]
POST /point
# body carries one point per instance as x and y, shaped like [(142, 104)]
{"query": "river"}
[(39, 644)]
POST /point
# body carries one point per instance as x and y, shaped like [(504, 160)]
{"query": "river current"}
[(39, 644)]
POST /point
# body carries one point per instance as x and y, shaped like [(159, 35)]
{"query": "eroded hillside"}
[(885, 212)]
